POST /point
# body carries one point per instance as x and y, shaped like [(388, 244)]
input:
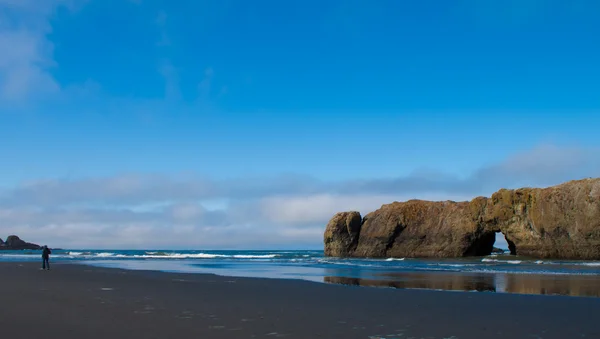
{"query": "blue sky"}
[(248, 124)]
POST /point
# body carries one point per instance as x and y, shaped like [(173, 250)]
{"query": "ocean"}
[(497, 273)]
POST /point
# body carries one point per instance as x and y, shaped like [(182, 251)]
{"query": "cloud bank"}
[(140, 210)]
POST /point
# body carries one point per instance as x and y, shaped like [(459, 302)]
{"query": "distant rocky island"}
[(15, 243), (561, 222)]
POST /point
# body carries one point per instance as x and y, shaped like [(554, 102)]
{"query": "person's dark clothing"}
[(46, 257)]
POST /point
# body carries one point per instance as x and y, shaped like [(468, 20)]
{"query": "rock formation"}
[(15, 243), (497, 250), (557, 222)]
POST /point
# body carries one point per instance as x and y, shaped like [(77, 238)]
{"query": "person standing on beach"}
[(46, 257)]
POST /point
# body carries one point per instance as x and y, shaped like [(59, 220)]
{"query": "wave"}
[(169, 255), (248, 256), (593, 264), (502, 261), (15, 255), (455, 265), (175, 256), (147, 255), (394, 259), (29, 256), (77, 254), (164, 255)]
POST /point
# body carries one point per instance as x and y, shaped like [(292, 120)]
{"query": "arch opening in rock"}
[(502, 244), (490, 242)]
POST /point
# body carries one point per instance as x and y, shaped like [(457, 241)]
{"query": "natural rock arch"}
[(556, 222)]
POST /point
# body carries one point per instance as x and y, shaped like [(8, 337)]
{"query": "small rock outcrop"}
[(556, 222), (15, 243), (497, 250), (341, 234)]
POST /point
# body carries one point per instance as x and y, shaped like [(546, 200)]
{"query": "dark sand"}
[(74, 301)]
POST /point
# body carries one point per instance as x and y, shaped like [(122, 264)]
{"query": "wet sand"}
[(75, 301), (567, 285)]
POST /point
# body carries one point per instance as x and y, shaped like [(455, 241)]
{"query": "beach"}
[(79, 301)]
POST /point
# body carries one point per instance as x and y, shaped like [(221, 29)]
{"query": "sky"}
[(247, 125)]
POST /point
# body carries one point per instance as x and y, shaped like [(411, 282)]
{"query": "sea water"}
[(501, 273)]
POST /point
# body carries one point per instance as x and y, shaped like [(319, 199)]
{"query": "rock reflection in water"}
[(572, 285), (454, 282)]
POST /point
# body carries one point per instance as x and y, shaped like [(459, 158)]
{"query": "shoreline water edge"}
[(496, 273)]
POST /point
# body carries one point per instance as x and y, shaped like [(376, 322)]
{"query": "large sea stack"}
[(15, 243), (561, 222)]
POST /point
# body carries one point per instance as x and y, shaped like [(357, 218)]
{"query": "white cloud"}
[(315, 209), (27, 54), (158, 211), (187, 211), (543, 165)]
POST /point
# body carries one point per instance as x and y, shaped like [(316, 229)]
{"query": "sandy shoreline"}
[(76, 301)]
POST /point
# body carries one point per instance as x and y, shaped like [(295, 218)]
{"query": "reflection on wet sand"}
[(588, 286), (572, 285), (455, 282)]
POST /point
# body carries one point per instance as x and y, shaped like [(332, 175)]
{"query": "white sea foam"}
[(160, 255), (148, 255), (514, 261), (502, 261), (15, 255), (593, 264), (27, 256), (183, 256), (394, 259), (265, 256)]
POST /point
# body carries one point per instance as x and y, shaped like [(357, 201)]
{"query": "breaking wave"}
[(147, 255), (175, 255), (514, 262), (593, 264), (313, 260)]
